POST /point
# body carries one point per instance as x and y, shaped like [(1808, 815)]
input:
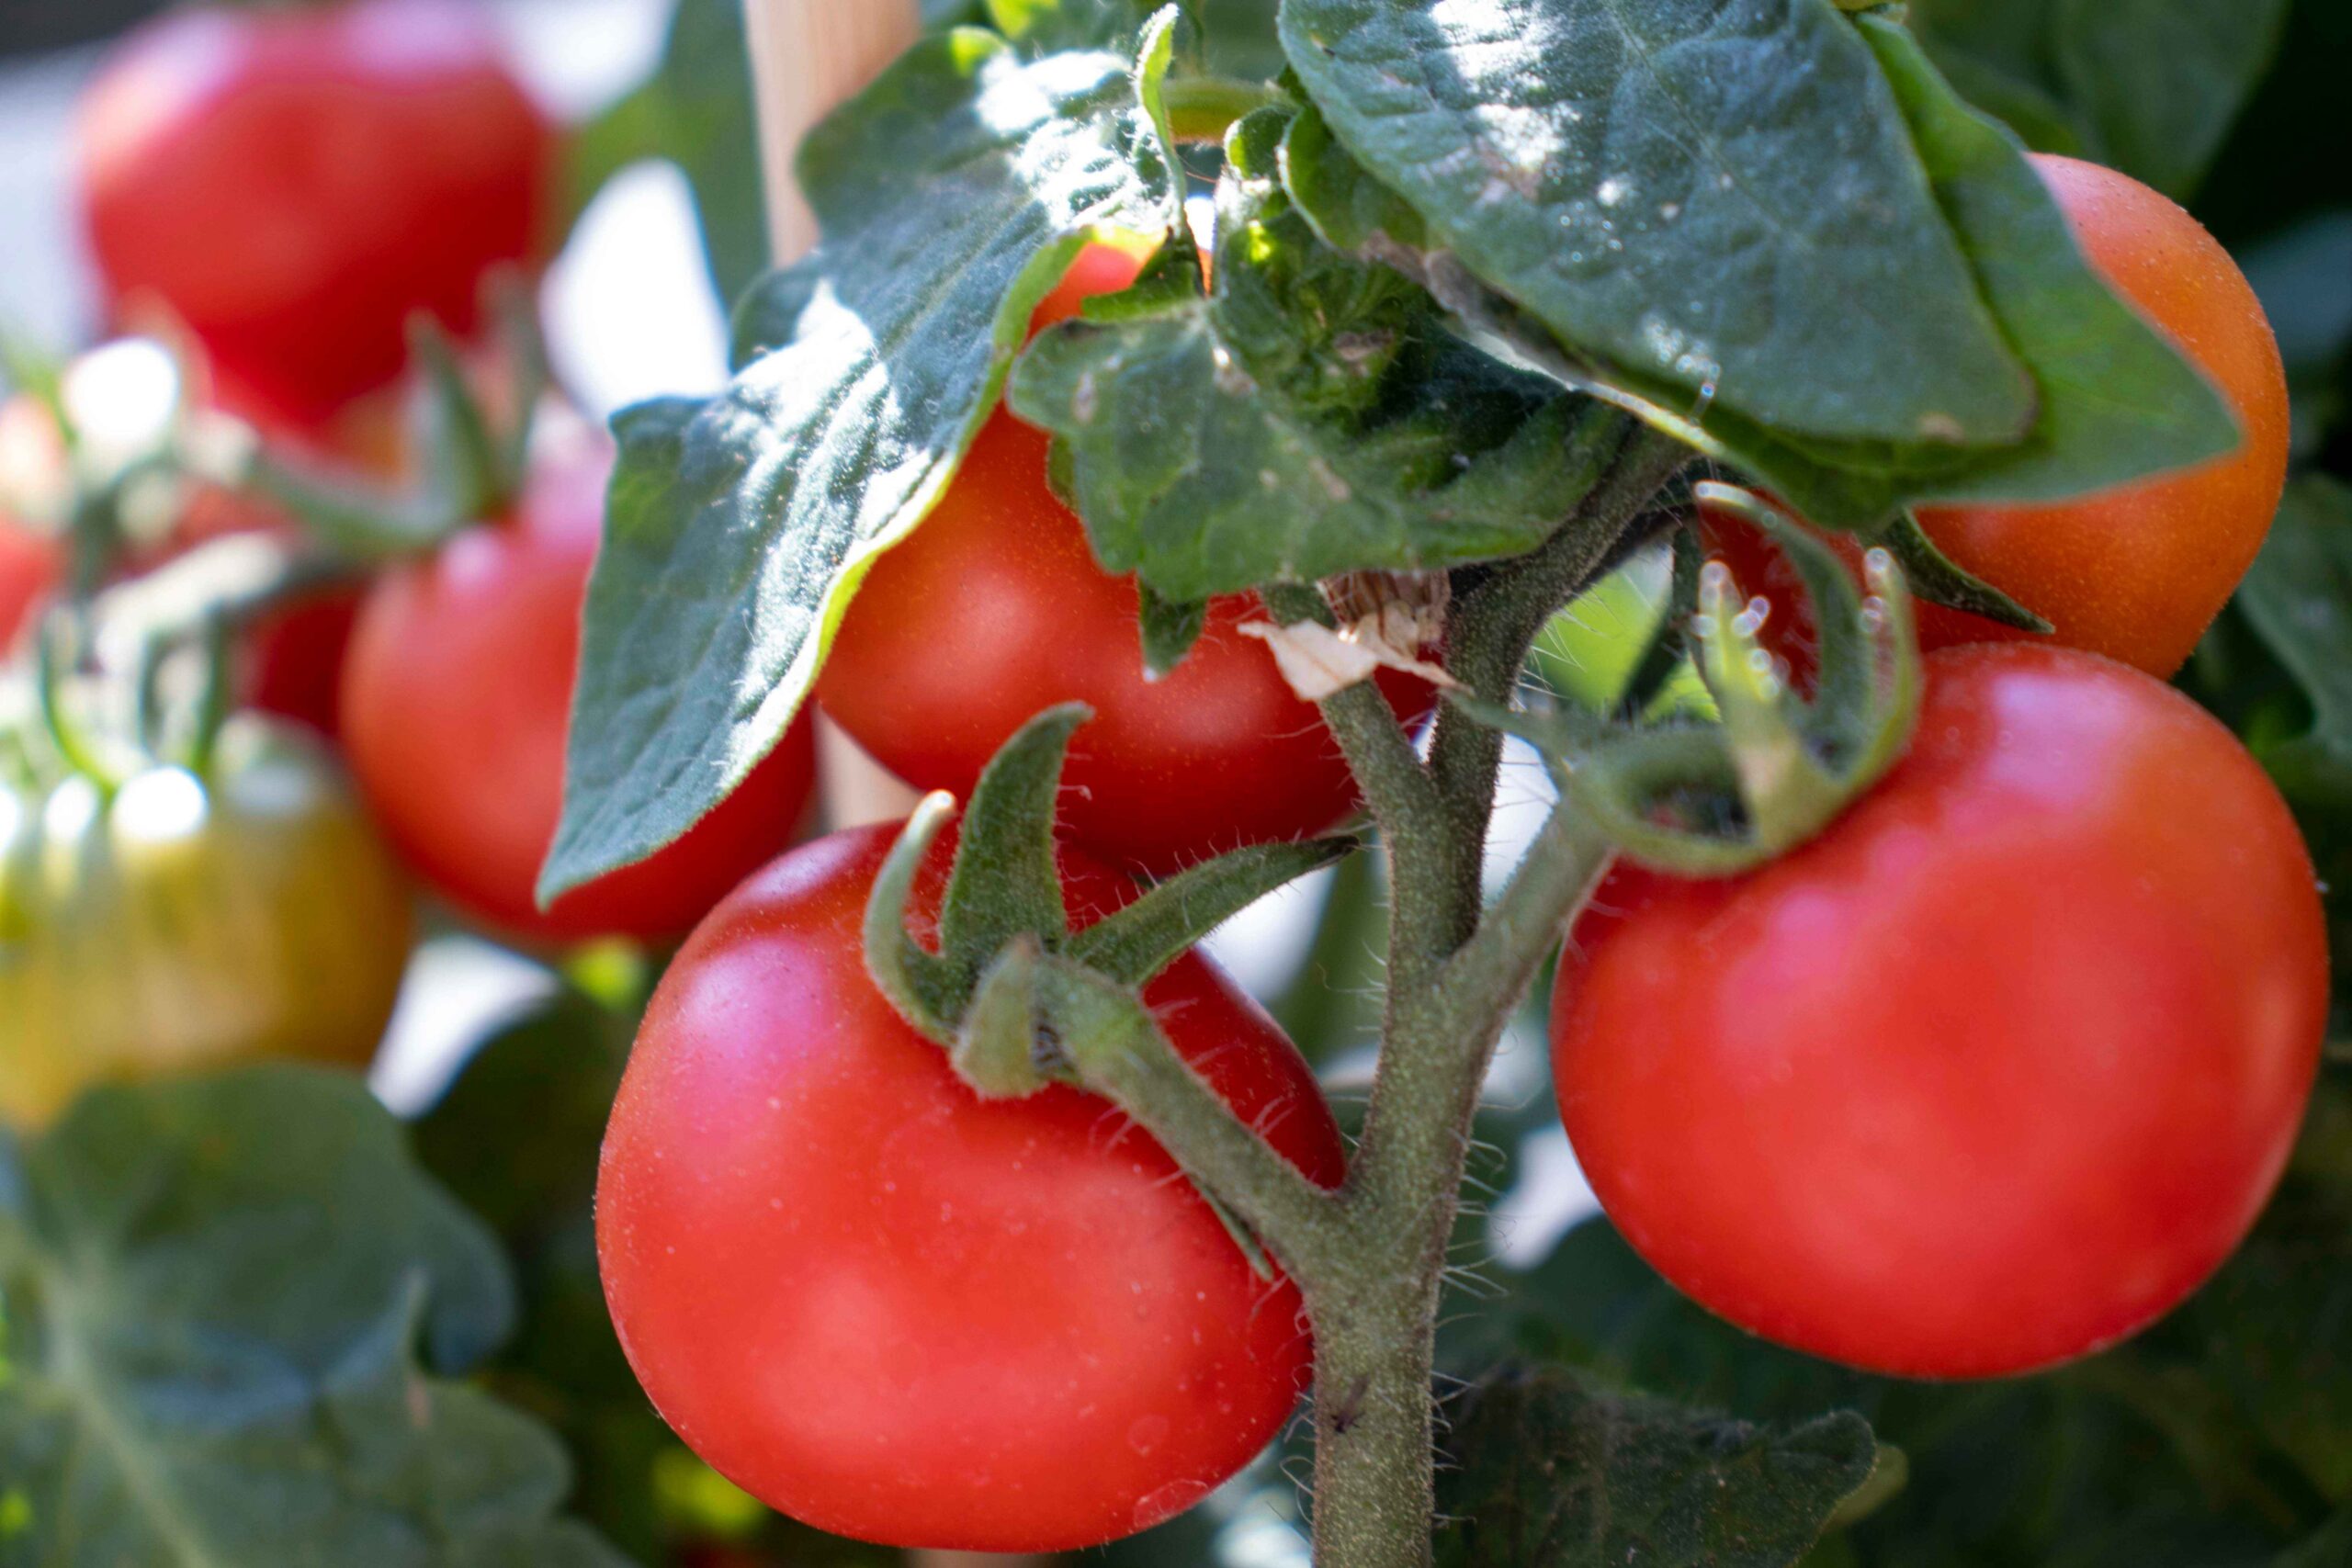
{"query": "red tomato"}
[(2136, 573), (456, 701), (898, 1312), (293, 183), (995, 608), (1992, 1074), (31, 565)]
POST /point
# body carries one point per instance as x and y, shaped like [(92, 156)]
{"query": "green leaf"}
[(2148, 86), (1720, 196), (696, 110), (1554, 1471), (1311, 416), (515, 1138), (1170, 626), (952, 194), (2118, 402), (2299, 599), (215, 1287)]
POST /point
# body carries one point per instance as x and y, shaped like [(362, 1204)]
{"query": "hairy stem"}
[(1373, 1272)]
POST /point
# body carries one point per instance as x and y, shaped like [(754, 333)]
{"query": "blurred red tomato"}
[(458, 705), (294, 183)]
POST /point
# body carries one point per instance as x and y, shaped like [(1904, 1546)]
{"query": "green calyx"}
[(1003, 920), (1779, 766)]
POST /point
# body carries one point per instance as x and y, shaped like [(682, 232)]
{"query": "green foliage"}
[(1554, 1471), (1550, 146), (516, 1139), (216, 1290), (950, 193), (1309, 416), (2298, 600), (2115, 401), (2147, 86)]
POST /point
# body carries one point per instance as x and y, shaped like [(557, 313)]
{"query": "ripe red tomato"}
[(995, 608), (1990, 1075), (294, 183), (456, 701), (2136, 573), (898, 1312)]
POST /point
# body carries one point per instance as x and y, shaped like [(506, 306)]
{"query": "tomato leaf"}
[(516, 1139), (2147, 86), (952, 194), (1720, 197), (1311, 416), (2116, 401), (216, 1290), (1555, 1471), (2299, 599)]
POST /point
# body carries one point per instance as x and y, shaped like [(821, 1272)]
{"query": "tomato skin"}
[(138, 937), (896, 1312), (1992, 1074), (995, 608), (457, 698), (2138, 573), (293, 184), (2135, 573)]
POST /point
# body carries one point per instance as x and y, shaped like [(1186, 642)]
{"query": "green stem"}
[(1375, 1274), (1119, 1051)]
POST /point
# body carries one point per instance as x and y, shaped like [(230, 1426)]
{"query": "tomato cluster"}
[(1992, 1071)]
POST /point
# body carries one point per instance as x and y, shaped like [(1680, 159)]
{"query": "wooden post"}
[(806, 57)]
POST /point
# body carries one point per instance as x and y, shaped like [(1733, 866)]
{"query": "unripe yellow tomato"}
[(184, 922)]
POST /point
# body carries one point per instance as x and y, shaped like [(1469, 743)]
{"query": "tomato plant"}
[(1177, 434), (1991, 1074), (456, 699), (293, 184), (996, 1326), (187, 918)]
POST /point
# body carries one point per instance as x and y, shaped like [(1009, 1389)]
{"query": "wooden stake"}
[(806, 57)]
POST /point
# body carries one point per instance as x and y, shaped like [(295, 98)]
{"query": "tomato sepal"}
[(1004, 889), (1937, 578), (1778, 769)]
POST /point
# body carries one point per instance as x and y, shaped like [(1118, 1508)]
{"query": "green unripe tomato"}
[(184, 922)]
